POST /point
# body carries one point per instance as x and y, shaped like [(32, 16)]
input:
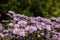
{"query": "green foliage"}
[(27, 12), (44, 8)]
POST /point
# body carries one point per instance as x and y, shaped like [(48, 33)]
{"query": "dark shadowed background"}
[(43, 8)]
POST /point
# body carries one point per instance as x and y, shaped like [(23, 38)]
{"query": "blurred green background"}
[(43, 8)]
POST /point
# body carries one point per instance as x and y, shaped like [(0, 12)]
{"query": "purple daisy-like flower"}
[(32, 18), (16, 31), (38, 18), (16, 26), (57, 26), (32, 29), (11, 14), (22, 23), (48, 27), (22, 32), (16, 19), (39, 27), (17, 16), (54, 19)]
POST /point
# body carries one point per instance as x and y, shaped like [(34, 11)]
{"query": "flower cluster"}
[(22, 25)]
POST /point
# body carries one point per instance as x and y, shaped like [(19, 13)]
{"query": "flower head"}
[(22, 23), (16, 31), (32, 29), (16, 25), (22, 32)]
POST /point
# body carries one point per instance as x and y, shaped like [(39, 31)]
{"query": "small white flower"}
[(42, 34), (38, 35), (10, 24), (42, 23), (11, 11), (27, 28)]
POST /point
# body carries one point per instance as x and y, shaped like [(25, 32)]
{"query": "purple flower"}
[(22, 16), (16, 31), (11, 13), (22, 32), (32, 18), (32, 21), (53, 18), (32, 29), (57, 20), (48, 27), (2, 35), (38, 18), (16, 19), (55, 37), (39, 27), (16, 26), (5, 30), (22, 23), (57, 26), (17, 16)]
